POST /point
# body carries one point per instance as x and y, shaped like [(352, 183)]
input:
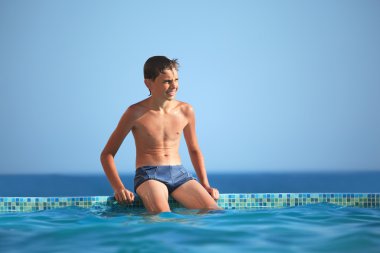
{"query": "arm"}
[(107, 157), (195, 152)]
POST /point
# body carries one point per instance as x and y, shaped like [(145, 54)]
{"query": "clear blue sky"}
[(276, 85)]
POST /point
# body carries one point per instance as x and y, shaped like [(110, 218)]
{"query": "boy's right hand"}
[(124, 196)]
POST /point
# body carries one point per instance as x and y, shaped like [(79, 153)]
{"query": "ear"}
[(148, 83)]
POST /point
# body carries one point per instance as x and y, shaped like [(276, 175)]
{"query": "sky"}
[(276, 85)]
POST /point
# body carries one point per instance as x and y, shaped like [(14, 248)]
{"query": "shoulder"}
[(186, 109), (138, 107), (134, 111)]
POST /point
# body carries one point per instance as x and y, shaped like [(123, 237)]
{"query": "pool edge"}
[(225, 201)]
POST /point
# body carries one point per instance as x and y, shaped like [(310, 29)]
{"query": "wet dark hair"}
[(158, 64)]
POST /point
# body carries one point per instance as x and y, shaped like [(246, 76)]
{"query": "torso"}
[(157, 134)]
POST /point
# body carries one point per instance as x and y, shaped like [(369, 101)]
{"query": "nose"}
[(174, 84)]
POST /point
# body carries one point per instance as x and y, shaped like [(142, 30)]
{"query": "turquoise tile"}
[(228, 201)]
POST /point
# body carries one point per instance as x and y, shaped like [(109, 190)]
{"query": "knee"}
[(212, 207), (160, 209), (156, 207)]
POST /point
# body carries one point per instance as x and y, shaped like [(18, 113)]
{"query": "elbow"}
[(104, 155)]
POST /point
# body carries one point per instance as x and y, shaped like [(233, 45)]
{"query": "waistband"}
[(160, 167)]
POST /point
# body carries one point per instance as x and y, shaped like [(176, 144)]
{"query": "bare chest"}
[(159, 127)]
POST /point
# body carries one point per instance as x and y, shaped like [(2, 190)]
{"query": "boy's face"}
[(165, 85)]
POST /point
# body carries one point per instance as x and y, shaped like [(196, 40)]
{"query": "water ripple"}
[(315, 228)]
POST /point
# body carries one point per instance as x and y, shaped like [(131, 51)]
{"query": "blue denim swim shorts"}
[(172, 176)]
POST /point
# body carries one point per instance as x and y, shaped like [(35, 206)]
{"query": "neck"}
[(160, 104)]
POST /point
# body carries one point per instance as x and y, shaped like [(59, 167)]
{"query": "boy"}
[(156, 124)]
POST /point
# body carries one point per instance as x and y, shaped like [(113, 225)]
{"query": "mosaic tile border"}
[(279, 200), (226, 201)]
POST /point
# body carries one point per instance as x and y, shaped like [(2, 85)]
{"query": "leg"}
[(154, 195), (192, 195)]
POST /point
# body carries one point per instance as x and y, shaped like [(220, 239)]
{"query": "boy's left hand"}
[(213, 192)]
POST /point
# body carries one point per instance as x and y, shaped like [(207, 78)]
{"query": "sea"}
[(36, 185)]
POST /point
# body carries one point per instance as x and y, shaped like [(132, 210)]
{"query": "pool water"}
[(311, 228)]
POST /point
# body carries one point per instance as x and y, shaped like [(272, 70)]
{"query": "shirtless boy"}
[(157, 124)]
